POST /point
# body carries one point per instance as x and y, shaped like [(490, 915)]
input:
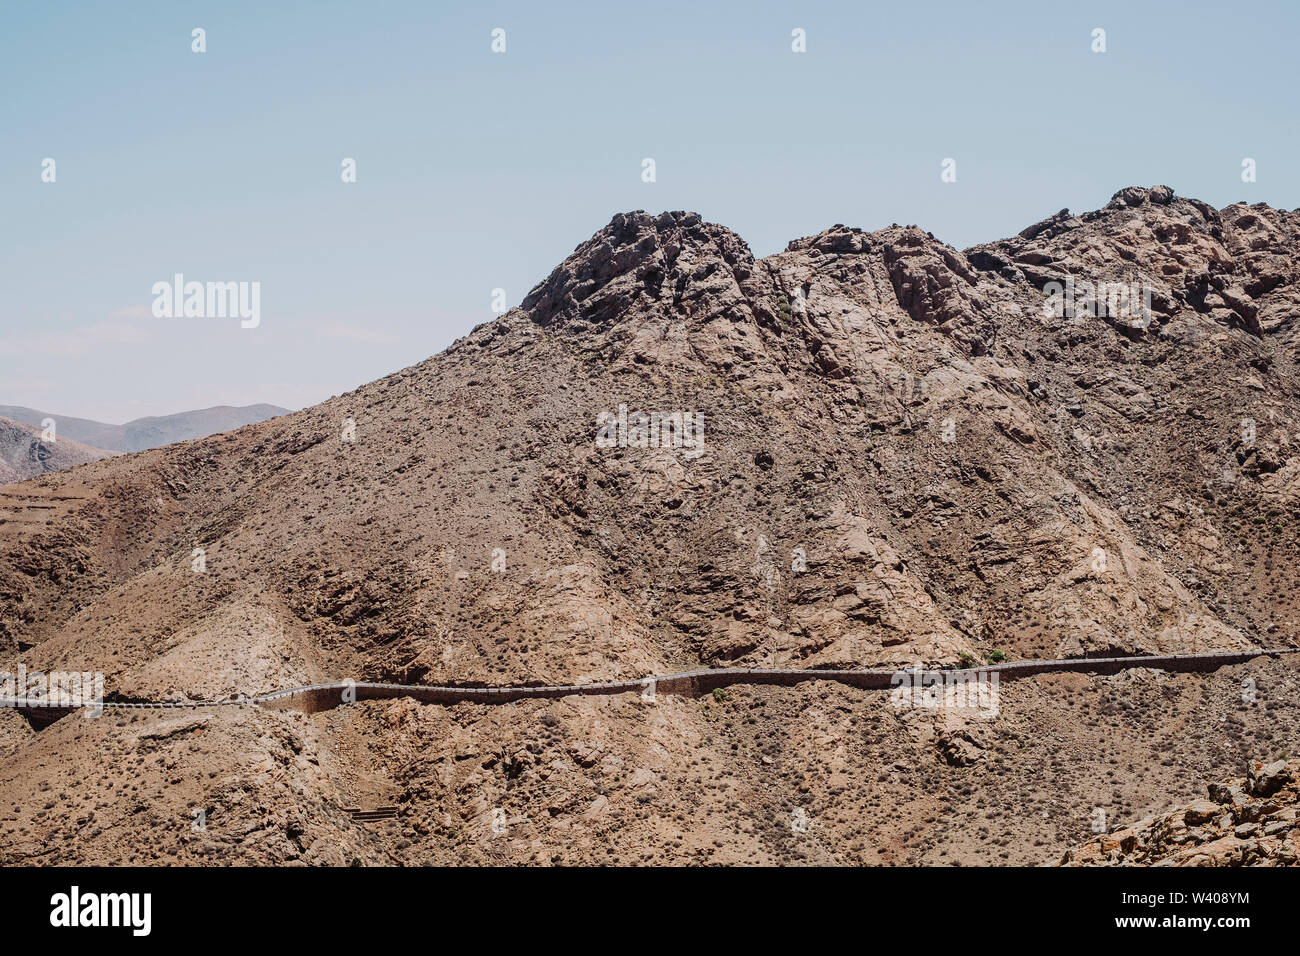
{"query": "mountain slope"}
[(904, 460)]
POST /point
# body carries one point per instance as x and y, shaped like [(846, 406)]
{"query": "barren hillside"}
[(907, 457)]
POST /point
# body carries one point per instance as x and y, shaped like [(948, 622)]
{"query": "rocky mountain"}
[(26, 452), (870, 449), (152, 432)]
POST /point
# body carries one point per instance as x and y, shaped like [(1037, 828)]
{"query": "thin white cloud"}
[(71, 343)]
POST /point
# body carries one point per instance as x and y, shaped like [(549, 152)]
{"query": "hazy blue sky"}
[(479, 170)]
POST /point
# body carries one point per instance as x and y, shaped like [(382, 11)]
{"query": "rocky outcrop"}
[(1247, 821), (1233, 267)]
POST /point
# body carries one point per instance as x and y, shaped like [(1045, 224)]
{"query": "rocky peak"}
[(839, 238), (1231, 266), (1136, 195), (634, 262)]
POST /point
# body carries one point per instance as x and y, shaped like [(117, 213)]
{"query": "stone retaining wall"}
[(317, 697)]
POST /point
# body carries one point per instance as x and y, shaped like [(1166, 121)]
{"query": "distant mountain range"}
[(143, 433)]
